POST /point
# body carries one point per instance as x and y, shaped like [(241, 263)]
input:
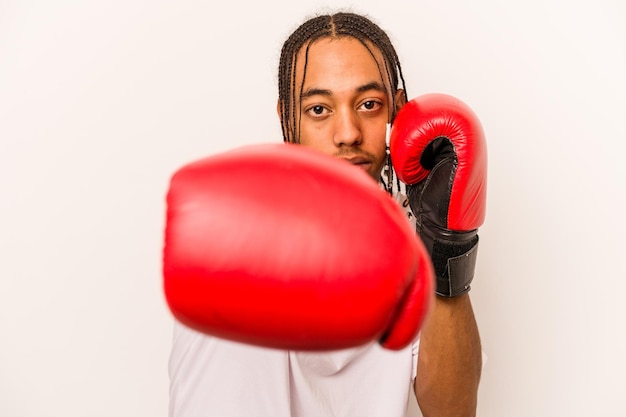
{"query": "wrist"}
[(453, 255)]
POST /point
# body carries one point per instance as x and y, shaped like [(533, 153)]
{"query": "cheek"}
[(381, 158), (315, 137), (377, 146), (376, 140)]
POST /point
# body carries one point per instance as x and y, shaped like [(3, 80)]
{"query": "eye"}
[(371, 105), (317, 110)]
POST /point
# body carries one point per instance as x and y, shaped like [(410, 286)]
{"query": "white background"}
[(101, 100)]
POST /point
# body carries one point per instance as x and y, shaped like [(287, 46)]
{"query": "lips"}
[(359, 161)]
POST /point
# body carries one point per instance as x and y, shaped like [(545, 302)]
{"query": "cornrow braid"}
[(342, 24)]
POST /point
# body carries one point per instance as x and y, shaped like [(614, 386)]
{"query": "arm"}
[(449, 361), (438, 149)]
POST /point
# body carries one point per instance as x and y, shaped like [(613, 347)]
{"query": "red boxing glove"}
[(438, 149), (282, 246)]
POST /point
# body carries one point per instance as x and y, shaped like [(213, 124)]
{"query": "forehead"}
[(338, 63)]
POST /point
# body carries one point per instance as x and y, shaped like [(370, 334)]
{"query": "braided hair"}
[(338, 25)]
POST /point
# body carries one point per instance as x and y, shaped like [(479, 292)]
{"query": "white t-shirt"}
[(211, 377), (214, 377)]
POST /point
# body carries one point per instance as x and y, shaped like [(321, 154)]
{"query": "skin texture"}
[(343, 112), (450, 359)]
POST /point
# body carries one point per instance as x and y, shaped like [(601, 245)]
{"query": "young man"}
[(339, 88)]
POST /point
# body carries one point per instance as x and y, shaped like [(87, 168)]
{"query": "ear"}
[(400, 98), (278, 108)]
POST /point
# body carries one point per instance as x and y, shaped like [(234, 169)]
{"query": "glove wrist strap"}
[(453, 255), (457, 274)]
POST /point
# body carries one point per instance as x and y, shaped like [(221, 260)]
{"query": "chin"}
[(376, 175)]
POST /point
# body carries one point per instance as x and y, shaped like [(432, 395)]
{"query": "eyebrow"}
[(374, 85)]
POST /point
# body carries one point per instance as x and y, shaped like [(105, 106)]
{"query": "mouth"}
[(359, 161)]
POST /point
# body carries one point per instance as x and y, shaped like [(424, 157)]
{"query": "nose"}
[(347, 129)]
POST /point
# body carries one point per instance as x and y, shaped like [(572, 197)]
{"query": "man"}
[(339, 88)]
